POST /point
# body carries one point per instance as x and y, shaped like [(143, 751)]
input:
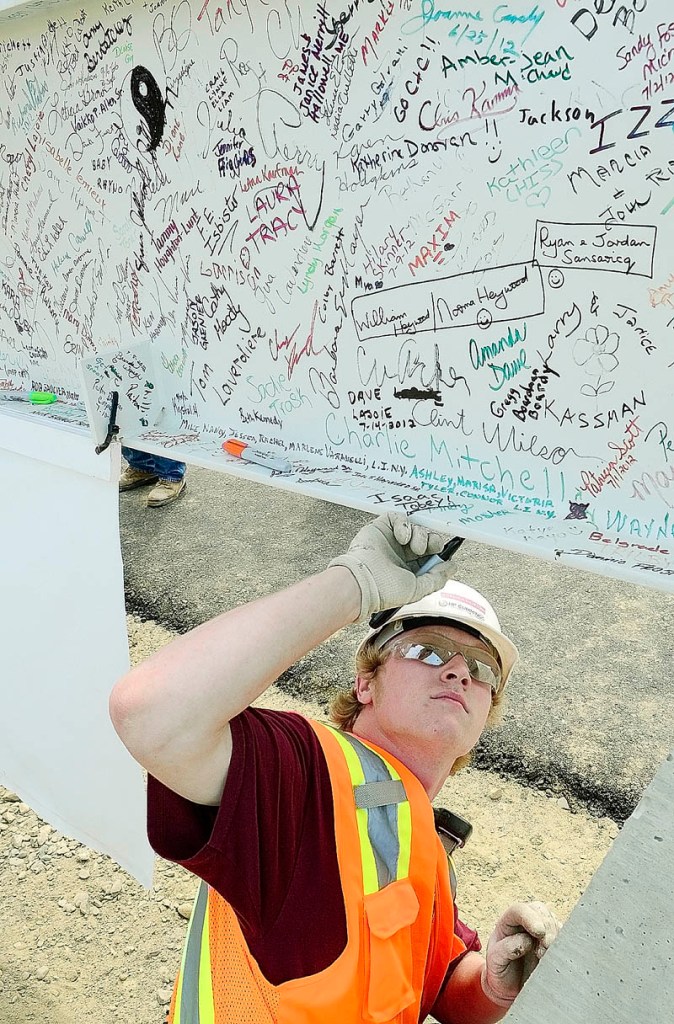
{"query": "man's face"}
[(411, 701)]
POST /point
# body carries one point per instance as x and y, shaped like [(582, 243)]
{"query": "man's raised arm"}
[(173, 711)]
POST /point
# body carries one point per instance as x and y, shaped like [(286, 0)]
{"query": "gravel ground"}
[(83, 941)]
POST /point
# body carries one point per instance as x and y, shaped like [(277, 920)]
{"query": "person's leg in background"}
[(171, 483), (140, 470), (143, 468)]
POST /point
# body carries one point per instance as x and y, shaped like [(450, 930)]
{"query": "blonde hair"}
[(345, 706)]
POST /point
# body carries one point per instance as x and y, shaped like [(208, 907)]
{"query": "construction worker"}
[(326, 893)]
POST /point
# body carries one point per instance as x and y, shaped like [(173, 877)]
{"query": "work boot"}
[(165, 492), (131, 478)]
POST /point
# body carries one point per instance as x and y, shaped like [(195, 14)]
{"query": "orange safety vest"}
[(399, 914)]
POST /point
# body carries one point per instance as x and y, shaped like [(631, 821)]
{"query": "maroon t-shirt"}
[(269, 848)]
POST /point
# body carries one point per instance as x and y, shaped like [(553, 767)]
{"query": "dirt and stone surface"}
[(83, 941)]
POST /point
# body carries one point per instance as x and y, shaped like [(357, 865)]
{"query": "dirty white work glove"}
[(384, 557), (519, 940)]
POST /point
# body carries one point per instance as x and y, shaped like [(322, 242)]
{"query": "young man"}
[(328, 896)]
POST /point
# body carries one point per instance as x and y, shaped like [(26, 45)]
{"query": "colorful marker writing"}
[(241, 450)]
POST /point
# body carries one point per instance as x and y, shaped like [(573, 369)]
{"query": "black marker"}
[(445, 555)]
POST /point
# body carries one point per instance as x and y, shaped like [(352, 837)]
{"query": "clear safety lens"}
[(480, 664)]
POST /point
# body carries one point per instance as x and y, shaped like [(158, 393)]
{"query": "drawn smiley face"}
[(555, 278), (484, 319)]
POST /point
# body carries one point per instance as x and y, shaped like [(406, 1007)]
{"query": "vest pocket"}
[(390, 914)]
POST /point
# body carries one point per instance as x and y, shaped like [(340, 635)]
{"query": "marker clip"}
[(113, 427), (454, 831)]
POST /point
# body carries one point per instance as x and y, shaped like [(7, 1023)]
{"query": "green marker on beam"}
[(34, 397)]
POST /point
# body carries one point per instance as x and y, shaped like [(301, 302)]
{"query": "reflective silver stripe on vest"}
[(382, 819), (189, 1003), (378, 794)]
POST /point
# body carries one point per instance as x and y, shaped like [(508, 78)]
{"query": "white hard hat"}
[(454, 603)]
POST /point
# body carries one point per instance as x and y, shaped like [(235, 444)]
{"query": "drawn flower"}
[(596, 350)]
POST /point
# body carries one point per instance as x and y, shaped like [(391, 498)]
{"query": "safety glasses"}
[(432, 651)]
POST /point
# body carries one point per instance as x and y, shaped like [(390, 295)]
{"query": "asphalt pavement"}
[(589, 711)]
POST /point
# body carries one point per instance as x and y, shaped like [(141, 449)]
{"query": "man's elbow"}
[(192, 764), (120, 706), (131, 716)]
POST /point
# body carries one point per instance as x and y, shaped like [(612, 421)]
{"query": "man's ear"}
[(363, 687)]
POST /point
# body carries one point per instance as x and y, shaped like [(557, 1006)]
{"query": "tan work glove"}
[(519, 940), (384, 558)]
